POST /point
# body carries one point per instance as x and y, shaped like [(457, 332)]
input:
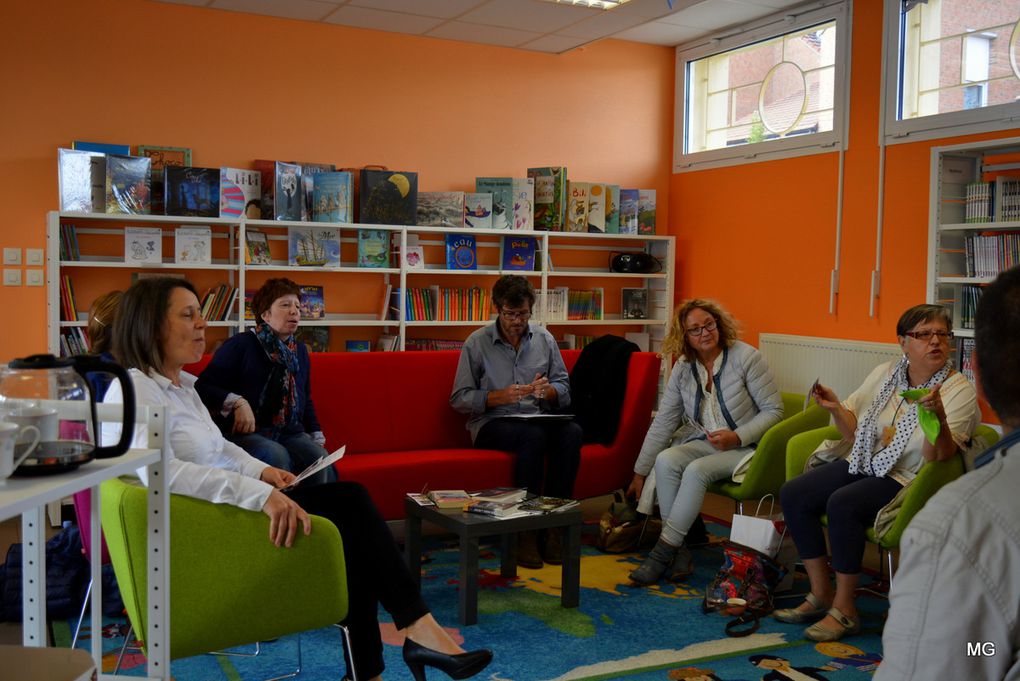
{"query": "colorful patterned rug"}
[(618, 632)]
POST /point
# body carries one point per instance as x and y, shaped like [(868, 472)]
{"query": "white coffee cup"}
[(9, 434), (44, 419)]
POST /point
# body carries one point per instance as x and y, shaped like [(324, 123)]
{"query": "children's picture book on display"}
[(240, 193), (193, 245), (257, 251), (312, 302), (373, 248), (634, 303), (358, 345), (478, 210), (577, 206), (524, 203), (143, 245), (162, 158), (414, 258), (313, 246), (646, 211), (596, 208), (103, 147), (289, 193), (81, 176), (308, 173), (550, 197), (502, 190), (612, 209), (519, 252), (388, 197), (331, 197), (192, 191), (128, 184), (315, 338), (248, 295), (440, 209), (461, 252), (629, 211)]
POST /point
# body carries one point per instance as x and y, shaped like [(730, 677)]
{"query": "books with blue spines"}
[(308, 173), (550, 197), (519, 252), (634, 303), (612, 209), (312, 302), (449, 498), (388, 197), (629, 199), (128, 184), (577, 206), (524, 203), (313, 246), (548, 504), (502, 190), (331, 197), (478, 210), (81, 177), (373, 248), (358, 345), (315, 338), (69, 242), (102, 147), (193, 245), (143, 245), (646, 211), (461, 252), (257, 251), (288, 194), (240, 193), (192, 191), (501, 494), (440, 209), (597, 208)]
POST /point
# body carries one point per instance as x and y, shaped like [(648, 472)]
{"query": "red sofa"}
[(392, 410)]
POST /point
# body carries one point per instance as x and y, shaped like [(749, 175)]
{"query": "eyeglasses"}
[(511, 315), (698, 330), (925, 336)]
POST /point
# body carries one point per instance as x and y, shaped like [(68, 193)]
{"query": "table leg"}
[(412, 546), (468, 609), (571, 574), (508, 554)]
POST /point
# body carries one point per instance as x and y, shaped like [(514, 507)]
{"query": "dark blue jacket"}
[(242, 367)]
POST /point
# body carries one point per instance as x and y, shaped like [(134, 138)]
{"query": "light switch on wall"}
[(33, 277), (12, 277), (12, 256), (33, 256)]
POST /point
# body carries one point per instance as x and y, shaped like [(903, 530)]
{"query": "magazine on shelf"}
[(317, 466)]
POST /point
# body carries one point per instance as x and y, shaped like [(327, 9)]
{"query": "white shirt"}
[(201, 463)]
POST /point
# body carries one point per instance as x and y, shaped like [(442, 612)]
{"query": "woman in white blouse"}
[(158, 331)]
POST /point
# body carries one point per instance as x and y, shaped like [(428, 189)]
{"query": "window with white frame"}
[(773, 89), (952, 67)]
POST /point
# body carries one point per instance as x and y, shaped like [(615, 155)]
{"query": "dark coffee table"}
[(470, 527)]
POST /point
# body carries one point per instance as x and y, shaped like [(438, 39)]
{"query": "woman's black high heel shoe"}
[(460, 666)]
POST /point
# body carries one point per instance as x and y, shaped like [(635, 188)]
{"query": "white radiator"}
[(796, 361)]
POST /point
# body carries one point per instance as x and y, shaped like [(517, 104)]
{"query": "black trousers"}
[(376, 571), (552, 444)]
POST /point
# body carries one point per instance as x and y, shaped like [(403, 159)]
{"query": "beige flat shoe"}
[(848, 626), (795, 616)]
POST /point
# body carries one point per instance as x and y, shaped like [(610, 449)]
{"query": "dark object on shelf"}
[(634, 263)]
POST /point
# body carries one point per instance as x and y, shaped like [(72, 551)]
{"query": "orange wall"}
[(760, 237), (236, 87)]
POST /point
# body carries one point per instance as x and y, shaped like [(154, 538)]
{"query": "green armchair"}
[(765, 475), (229, 585)]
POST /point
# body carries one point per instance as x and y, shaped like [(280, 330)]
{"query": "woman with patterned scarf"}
[(886, 449), (258, 384)]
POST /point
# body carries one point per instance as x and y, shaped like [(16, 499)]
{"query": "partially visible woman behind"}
[(159, 331), (887, 448), (259, 384), (102, 315), (724, 385)]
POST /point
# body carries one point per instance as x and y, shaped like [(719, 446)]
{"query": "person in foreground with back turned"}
[(160, 330), (957, 589), (511, 368)]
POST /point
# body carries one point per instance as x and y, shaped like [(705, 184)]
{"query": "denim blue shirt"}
[(488, 362)]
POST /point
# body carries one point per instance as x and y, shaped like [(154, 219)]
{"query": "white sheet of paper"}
[(318, 466), (703, 429)]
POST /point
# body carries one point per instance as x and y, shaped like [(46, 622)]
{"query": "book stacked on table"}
[(449, 498), (548, 504)]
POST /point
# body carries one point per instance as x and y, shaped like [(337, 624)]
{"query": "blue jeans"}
[(293, 452)]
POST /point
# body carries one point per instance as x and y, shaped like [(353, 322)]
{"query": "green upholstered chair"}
[(229, 585), (766, 473), (930, 479)]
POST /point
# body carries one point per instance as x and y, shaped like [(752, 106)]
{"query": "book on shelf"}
[(548, 504), (577, 206), (460, 304), (440, 209), (256, 248), (68, 309), (550, 197), (585, 304), (162, 158), (312, 302), (431, 344), (551, 304), (315, 338), (249, 293), (524, 203), (128, 184), (634, 303), (143, 245), (69, 242), (392, 303), (193, 245), (449, 498), (240, 193), (267, 183), (81, 181), (331, 197), (192, 191), (596, 208), (373, 248), (388, 197), (646, 211), (965, 357), (354, 345), (629, 202), (288, 192), (478, 210), (308, 173), (1007, 198), (387, 342), (501, 495), (612, 209), (218, 302), (313, 246), (73, 341), (414, 258), (519, 253), (461, 252), (102, 147), (502, 190)]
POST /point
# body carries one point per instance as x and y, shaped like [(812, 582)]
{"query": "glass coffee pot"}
[(52, 394)]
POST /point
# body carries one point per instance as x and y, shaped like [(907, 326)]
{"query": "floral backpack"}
[(748, 575)]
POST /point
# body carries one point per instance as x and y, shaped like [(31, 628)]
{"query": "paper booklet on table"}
[(318, 466), (538, 417)]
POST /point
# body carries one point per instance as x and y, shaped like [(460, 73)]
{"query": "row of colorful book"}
[(68, 308), (965, 357), (447, 304), (988, 255), (585, 304), (433, 344), (73, 341), (218, 302), (970, 294)]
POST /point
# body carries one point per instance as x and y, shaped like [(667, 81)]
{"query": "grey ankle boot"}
[(659, 560)]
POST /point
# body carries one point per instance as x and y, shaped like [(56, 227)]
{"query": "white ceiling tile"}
[(194, 3), (601, 26), (709, 16), (311, 10), (658, 33), (528, 15), (553, 43), (774, 4), (476, 33), (379, 20), (444, 9)]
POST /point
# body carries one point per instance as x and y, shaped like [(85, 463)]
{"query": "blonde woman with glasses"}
[(719, 401)]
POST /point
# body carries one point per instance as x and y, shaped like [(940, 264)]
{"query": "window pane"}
[(958, 55), (768, 90)]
